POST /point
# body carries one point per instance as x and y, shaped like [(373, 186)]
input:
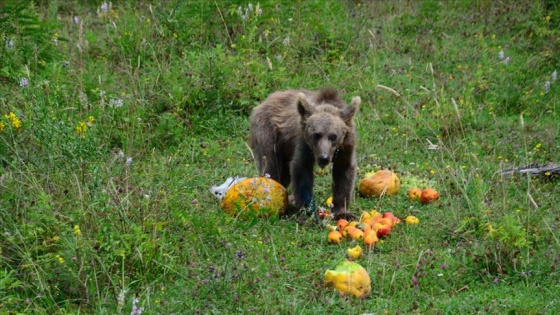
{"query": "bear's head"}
[(325, 126)]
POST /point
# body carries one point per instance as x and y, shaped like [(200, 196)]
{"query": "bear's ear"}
[(304, 108), (348, 113)]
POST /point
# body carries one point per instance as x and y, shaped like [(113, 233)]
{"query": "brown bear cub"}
[(292, 130)]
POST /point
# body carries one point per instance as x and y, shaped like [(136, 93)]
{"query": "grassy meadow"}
[(117, 117)]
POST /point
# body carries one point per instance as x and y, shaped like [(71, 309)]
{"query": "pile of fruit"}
[(371, 226)]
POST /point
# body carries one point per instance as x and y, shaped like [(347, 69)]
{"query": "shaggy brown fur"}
[(292, 130)]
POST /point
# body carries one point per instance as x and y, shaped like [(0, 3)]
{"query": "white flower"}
[(128, 161), (554, 75), (76, 20), (501, 55), (506, 61), (116, 102)]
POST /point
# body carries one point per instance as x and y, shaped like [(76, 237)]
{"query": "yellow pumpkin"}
[(382, 182), (259, 196)]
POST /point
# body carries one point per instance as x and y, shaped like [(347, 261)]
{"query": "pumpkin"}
[(383, 182), (259, 196), (349, 278)]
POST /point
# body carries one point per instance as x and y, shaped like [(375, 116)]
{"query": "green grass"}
[(170, 85)]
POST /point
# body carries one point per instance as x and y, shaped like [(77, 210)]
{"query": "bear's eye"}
[(317, 136), (332, 137)]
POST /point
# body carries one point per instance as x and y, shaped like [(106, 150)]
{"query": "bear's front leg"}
[(344, 176), (301, 170)]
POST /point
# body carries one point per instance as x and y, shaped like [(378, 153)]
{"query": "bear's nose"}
[(323, 161)]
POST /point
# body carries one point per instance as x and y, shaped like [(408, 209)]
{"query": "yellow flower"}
[(1, 126), (91, 119), (77, 230), (56, 238), (14, 120), (81, 129), (60, 259)]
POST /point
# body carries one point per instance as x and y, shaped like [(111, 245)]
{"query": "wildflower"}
[(506, 61), (56, 238), (14, 121), (120, 154), (23, 82), (10, 44), (116, 102), (81, 129), (547, 86), (501, 54), (443, 265), (120, 298), (239, 254), (414, 280), (258, 10), (77, 230), (60, 259), (286, 41), (104, 7), (135, 309), (91, 119), (554, 75), (1, 126), (76, 20), (128, 161)]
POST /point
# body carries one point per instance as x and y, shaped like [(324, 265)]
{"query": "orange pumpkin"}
[(259, 196)]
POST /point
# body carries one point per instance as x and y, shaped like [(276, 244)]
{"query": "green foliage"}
[(130, 111), (27, 40)]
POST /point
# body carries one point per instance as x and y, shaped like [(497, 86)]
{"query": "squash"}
[(383, 182), (349, 278), (256, 196)]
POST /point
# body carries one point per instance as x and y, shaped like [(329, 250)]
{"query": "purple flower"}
[(443, 266), (239, 254), (23, 82), (501, 55), (496, 280), (76, 20), (414, 280), (554, 75), (104, 7), (135, 309)]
